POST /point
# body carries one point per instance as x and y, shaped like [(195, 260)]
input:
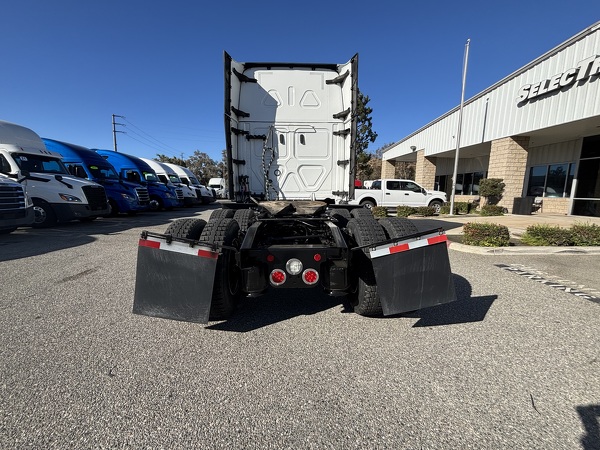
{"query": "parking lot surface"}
[(514, 363)]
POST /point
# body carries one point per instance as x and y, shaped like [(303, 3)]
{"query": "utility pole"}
[(458, 132), (115, 130)]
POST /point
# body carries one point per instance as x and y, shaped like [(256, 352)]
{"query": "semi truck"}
[(170, 178), (56, 195), (290, 131), (16, 208), (81, 162), (393, 193), (133, 169), (207, 194)]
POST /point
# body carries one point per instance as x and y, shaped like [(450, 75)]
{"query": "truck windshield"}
[(149, 176), (103, 172), (40, 163), (194, 180), (174, 178)]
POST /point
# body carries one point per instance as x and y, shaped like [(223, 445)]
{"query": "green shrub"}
[(585, 234), (547, 235), (379, 211), (445, 209), (425, 211), (492, 189), (491, 210), (405, 211), (461, 207), (486, 234)]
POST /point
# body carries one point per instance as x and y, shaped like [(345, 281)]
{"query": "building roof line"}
[(525, 68)]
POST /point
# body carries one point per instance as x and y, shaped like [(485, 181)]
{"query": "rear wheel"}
[(44, 214), (245, 218), (365, 299), (361, 212), (186, 228), (221, 213), (367, 204), (397, 227), (226, 287)]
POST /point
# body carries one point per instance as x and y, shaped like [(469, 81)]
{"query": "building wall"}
[(508, 160)]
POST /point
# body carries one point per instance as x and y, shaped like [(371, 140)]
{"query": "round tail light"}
[(310, 276), (277, 277)]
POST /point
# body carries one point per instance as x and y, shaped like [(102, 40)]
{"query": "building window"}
[(553, 180), (466, 183)]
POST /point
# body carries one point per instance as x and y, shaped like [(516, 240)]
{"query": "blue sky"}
[(68, 65)]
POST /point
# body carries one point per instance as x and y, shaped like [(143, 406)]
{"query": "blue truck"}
[(133, 169), (123, 196)]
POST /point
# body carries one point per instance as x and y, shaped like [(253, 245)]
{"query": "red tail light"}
[(277, 277), (310, 276)]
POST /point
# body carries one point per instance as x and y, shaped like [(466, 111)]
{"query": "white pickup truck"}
[(392, 193)]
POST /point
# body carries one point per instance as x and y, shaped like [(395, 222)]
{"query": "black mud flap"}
[(413, 274), (174, 280)]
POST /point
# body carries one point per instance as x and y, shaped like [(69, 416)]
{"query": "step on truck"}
[(290, 130), (56, 195)]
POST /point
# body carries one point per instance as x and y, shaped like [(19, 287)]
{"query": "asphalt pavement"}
[(513, 363)]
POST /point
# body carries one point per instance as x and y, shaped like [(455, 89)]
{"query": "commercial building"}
[(538, 130)]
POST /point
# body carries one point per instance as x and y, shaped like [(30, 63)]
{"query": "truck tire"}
[(186, 228), (244, 218), (44, 214), (221, 213), (226, 286), (365, 299), (361, 212), (341, 216), (113, 208), (436, 205), (397, 227)]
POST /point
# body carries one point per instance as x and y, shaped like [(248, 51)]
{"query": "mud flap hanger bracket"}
[(414, 236), (191, 242)]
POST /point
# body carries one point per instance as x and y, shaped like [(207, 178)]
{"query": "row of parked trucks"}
[(45, 181)]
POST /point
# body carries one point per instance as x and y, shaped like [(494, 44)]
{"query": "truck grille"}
[(96, 196), (179, 192), (143, 195), (12, 199)]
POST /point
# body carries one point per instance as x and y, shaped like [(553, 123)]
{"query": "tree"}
[(491, 189), (171, 159), (203, 166), (364, 136)]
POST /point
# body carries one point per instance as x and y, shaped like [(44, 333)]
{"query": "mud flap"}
[(413, 274), (174, 280)]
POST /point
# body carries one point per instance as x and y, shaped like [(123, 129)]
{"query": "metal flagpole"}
[(460, 114)]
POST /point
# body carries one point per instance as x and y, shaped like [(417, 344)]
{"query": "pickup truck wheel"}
[(367, 204), (44, 214), (397, 227), (436, 205), (186, 228), (226, 286), (365, 299)]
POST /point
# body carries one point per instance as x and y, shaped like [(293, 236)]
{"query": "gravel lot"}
[(512, 364)]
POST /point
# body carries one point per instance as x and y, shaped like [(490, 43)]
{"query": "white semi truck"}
[(16, 207), (290, 130), (57, 196)]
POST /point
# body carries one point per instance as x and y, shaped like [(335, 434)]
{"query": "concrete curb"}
[(524, 250)]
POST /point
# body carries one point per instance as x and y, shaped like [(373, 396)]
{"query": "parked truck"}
[(56, 195), (16, 208), (218, 184), (290, 132), (169, 177), (392, 193), (123, 196), (133, 169), (207, 194)]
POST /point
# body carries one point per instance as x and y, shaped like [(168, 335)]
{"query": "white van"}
[(218, 184), (168, 176), (188, 177), (57, 196)]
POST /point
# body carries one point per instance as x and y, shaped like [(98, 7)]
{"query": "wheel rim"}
[(39, 214)]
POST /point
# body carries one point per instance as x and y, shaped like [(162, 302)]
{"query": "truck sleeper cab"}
[(167, 176), (56, 195), (123, 196), (187, 177), (133, 169)]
